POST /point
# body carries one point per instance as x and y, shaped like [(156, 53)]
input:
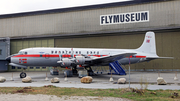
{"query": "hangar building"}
[(120, 25)]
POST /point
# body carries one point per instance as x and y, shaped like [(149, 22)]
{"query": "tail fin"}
[(149, 44)]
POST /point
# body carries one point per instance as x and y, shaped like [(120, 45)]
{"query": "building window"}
[(31, 67), (37, 67), (12, 67), (43, 67), (19, 67)]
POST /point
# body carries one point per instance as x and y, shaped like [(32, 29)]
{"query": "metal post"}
[(129, 72)]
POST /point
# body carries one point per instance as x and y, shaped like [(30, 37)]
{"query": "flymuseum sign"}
[(122, 18)]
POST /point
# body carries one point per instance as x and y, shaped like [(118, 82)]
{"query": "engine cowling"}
[(66, 62), (80, 60)]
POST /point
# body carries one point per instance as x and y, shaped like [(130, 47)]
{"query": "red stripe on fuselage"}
[(33, 55), (37, 55), (67, 55), (137, 56), (140, 56), (51, 55)]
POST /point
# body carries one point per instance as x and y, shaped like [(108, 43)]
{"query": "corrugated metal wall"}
[(162, 14), (167, 44)]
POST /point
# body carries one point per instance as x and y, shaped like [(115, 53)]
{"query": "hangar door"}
[(4, 52)]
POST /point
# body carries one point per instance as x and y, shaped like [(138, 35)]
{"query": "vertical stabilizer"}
[(149, 44)]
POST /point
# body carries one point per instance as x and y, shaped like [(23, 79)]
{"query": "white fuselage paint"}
[(50, 56)]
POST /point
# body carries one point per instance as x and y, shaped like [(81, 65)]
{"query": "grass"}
[(148, 95)]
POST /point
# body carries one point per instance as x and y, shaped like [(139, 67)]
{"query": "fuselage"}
[(50, 56)]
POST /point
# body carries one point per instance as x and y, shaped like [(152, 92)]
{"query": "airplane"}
[(84, 57)]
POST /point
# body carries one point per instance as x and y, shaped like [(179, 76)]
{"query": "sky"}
[(19, 6)]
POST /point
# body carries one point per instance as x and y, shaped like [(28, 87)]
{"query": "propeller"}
[(60, 58)]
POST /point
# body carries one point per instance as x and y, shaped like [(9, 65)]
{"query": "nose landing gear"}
[(23, 74)]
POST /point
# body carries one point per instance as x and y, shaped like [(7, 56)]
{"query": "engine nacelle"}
[(80, 60), (66, 62)]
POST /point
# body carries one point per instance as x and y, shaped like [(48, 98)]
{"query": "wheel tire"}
[(22, 75)]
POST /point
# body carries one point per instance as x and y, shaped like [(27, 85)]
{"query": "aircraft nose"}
[(8, 59)]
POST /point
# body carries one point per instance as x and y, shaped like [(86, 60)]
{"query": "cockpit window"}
[(20, 52)]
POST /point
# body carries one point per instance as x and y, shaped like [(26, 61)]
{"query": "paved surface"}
[(40, 97), (101, 81)]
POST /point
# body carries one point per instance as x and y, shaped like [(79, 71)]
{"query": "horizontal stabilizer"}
[(160, 57), (16, 65)]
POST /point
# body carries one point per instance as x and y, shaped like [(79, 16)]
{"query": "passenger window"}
[(55, 51), (91, 52), (76, 52), (25, 52), (63, 52), (59, 51), (69, 52), (79, 52), (97, 52), (87, 52), (52, 52), (94, 52)]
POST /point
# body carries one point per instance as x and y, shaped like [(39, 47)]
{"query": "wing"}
[(110, 58)]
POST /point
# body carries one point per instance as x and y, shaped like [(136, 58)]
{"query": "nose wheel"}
[(22, 75)]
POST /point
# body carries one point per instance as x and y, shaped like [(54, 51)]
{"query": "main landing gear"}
[(90, 71), (74, 70), (23, 74)]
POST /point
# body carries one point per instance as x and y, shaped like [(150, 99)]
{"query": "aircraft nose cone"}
[(8, 59)]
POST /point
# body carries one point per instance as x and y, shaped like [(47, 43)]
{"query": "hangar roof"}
[(116, 4)]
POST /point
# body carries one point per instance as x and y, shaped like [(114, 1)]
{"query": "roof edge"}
[(98, 6)]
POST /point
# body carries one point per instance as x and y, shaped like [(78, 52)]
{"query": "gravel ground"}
[(40, 97)]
